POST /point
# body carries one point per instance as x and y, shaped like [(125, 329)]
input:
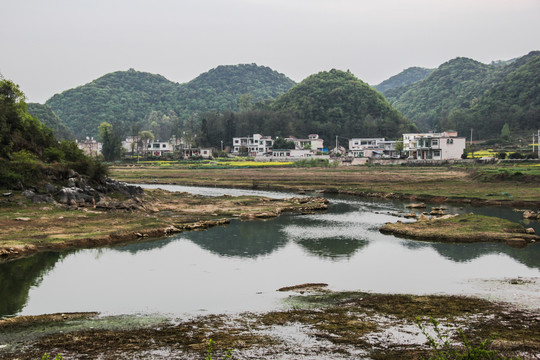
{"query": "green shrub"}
[(52, 154), (444, 349)]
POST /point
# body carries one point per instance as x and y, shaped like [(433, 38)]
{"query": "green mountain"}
[(337, 103), (406, 77), (45, 114), (462, 94), (132, 100)]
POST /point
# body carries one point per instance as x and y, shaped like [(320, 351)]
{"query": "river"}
[(240, 266)]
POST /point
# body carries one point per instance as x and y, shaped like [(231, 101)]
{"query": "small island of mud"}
[(466, 228)]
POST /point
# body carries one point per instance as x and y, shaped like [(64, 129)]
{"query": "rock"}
[(410, 216), (517, 242), (530, 231), (50, 188), (416, 206), (22, 219), (7, 194), (423, 217), (72, 173), (75, 196), (71, 183), (529, 215), (38, 199), (437, 212)]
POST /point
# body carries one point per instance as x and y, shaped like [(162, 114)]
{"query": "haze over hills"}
[(131, 100), (463, 93)]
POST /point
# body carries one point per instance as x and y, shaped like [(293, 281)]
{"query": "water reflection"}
[(18, 276), (245, 261)]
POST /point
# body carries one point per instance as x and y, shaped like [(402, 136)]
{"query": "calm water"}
[(239, 267)]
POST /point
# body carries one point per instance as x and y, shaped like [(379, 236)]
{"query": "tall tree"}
[(112, 145)]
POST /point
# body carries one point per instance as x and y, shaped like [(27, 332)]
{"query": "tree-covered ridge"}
[(221, 88), (45, 114), (463, 94), (337, 103), (406, 77), (131, 100), (456, 84)]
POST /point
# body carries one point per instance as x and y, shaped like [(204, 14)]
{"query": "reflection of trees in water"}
[(334, 247), (243, 239), (529, 256), (16, 278)]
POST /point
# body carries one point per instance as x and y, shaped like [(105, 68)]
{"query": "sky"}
[(48, 46)]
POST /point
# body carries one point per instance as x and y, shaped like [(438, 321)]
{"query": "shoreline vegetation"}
[(327, 325)]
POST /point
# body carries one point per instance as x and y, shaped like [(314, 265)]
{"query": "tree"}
[(398, 146), (505, 132), (112, 145), (146, 136), (282, 144)]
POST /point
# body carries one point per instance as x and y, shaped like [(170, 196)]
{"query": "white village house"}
[(255, 144), (372, 147), (434, 146)]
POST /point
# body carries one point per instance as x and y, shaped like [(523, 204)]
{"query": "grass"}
[(452, 182)]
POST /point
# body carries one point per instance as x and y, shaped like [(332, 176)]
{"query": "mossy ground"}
[(330, 326), (461, 228), (56, 226)]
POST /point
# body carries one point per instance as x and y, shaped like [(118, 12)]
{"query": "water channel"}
[(238, 267)]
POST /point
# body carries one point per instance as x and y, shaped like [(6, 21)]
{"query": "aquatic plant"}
[(444, 349), (46, 357), (228, 354)]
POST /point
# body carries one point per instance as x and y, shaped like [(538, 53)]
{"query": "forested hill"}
[(463, 94), (406, 77), (45, 114), (337, 103), (131, 100)]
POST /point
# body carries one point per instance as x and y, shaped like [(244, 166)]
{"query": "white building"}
[(434, 146), (372, 147), (292, 153), (158, 148), (255, 145), (313, 142), (90, 146)]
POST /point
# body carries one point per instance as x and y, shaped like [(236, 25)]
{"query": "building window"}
[(434, 142), (236, 141), (164, 146), (449, 141), (437, 153)]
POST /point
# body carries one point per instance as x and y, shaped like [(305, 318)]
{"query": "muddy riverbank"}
[(27, 228), (344, 325)]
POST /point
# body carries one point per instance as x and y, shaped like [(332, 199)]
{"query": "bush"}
[(52, 154), (515, 155), (501, 155)]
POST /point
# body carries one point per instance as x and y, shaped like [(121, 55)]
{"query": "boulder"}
[(530, 231), (37, 198), (50, 188), (437, 212), (416, 206), (410, 216), (74, 196), (527, 214)]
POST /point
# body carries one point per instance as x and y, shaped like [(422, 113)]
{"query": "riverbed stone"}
[(517, 242), (530, 231), (416, 206), (528, 214)]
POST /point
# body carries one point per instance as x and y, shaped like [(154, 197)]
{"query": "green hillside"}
[(337, 103), (406, 77), (45, 114), (132, 100), (30, 155), (463, 94)]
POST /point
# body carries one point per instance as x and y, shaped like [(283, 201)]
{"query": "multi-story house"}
[(313, 142), (255, 144), (372, 147), (434, 146)]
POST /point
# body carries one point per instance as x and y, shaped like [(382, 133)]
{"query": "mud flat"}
[(464, 228), (341, 325)]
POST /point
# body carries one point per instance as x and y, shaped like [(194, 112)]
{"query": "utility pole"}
[(336, 144), (471, 136), (538, 145), (533, 143)]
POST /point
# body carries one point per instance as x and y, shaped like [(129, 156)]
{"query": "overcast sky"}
[(48, 46)]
